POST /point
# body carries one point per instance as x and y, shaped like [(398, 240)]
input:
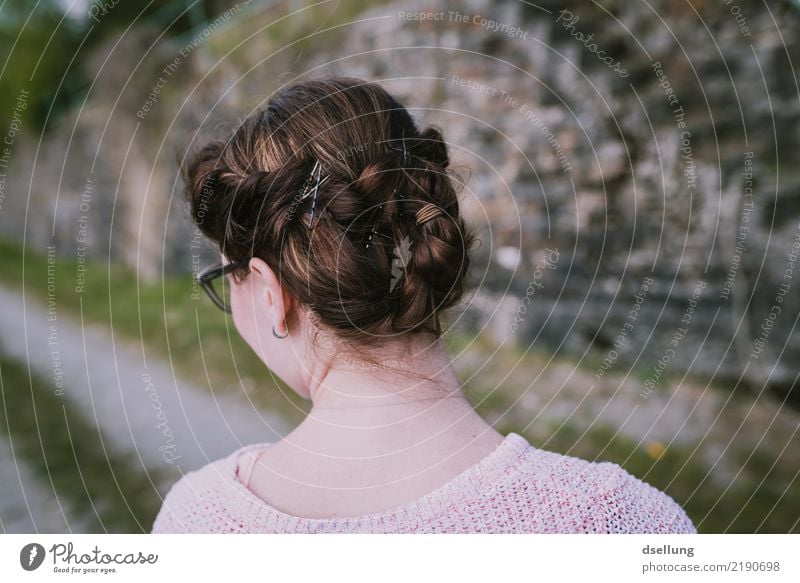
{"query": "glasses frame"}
[(206, 277)]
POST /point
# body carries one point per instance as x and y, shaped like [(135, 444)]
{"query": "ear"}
[(267, 288)]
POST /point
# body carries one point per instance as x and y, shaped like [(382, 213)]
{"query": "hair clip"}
[(304, 192), (427, 212)]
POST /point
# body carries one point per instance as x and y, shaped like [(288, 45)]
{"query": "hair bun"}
[(246, 194)]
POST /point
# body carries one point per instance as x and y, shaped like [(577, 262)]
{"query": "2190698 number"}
[(756, 566)]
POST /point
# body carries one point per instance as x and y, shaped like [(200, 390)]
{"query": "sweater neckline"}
[(492, 467)]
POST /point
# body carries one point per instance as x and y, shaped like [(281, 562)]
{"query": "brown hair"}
[(245, 194)]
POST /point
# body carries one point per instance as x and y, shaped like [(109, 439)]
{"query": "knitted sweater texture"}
[(515, 489)]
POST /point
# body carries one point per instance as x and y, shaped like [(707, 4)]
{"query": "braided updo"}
[(354, 254)]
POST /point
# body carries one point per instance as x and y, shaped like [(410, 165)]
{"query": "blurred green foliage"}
[(46, 50)]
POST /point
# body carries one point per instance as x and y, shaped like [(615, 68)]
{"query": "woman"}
[(340, 234)]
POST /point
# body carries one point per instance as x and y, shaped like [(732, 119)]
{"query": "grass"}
[(69, 454)]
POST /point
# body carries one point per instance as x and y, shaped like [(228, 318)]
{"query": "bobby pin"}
[(405, 150), (405, 159), (374, 230), (304, 192)]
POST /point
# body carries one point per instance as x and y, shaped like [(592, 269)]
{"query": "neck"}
[(364, 408), (401, 372)]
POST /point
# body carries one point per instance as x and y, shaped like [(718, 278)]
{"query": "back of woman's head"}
[(356, 240)]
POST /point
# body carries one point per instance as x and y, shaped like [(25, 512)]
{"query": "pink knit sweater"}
[(516, 489)]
